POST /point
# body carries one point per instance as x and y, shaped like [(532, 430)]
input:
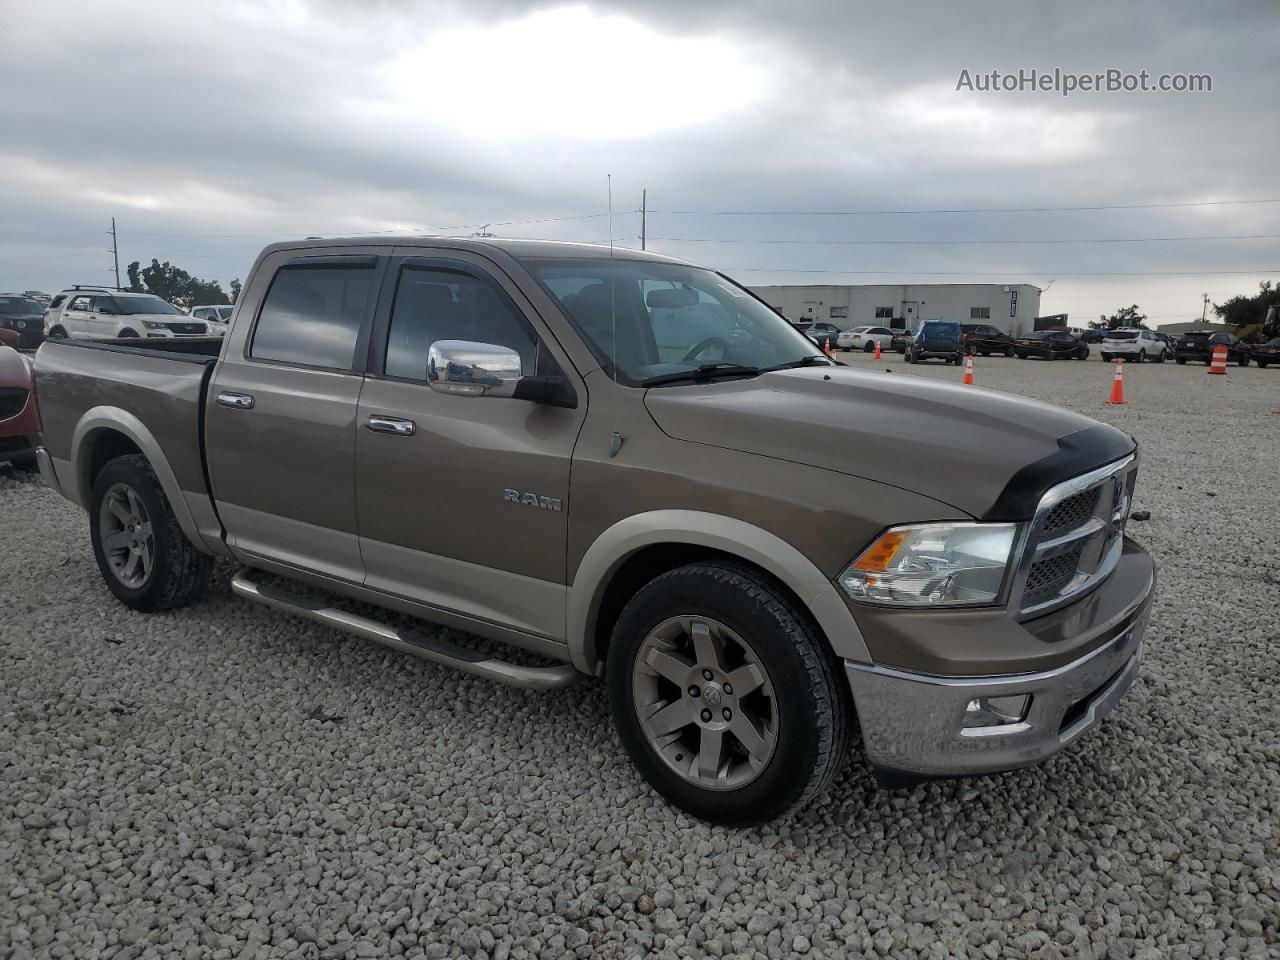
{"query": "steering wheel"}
[(702, 345)]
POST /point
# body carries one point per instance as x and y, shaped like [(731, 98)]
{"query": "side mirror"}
[(469, 369)]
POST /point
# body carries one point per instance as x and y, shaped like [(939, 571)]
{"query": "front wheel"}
[(1243, 361), (1180, 361), (1160, 357), (1008, 351), (1262, 364), (728, 701), (143, 555), (57, 333), (869, 348)]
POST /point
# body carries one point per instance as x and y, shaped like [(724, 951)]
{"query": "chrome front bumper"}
[(913, 723)]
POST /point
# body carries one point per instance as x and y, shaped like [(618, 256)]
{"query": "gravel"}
[(225, 781)]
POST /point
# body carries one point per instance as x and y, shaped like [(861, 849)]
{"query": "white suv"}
[(1134, 345), (218, 316), (99, 313)]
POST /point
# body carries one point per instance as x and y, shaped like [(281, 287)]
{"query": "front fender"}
[(726, 534)]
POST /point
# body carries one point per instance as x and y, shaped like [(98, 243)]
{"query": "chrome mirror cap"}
[(469, 369)]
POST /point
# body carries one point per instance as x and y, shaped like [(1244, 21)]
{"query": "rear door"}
[(463, 501), (75, 317), (280, 423)]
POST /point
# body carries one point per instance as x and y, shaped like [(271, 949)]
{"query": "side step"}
[(419, 644)]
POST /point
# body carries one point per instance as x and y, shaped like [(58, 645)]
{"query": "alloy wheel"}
[(128, 540), (705, 702)]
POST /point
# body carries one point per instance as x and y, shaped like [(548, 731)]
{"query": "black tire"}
[(129, 335), (813, 707), (1160, 357), (1142, 356), (1180, 361), (1262, 364), (870, 347), (57, 333), (179, 573), (1008, 351)]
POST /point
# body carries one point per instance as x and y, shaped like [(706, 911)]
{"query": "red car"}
[(19, 418), (9, 338)]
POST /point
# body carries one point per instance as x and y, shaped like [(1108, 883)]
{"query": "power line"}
[(74, 236), (872, 213), (909, 243)]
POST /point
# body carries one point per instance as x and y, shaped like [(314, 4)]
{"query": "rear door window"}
[(80, 303), (313, 314)]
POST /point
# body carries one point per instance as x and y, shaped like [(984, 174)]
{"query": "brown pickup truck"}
[(632, 468)]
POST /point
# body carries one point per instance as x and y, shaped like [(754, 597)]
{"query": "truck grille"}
[(189, 329), (1075, 538), (12, 400)]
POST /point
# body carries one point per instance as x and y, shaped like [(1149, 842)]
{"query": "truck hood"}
[(989, 454)]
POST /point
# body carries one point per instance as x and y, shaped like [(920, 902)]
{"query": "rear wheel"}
[(1160, 357), (869, 348), (1262, 364), (1243, 361), (143, 555), (1180, 361), (725, 696), (57, 333), (1142, 356), (1008, 351)]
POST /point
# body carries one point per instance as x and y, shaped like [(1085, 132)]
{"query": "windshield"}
[(150, 305), (20, 306), (224, 313), (668, 319)]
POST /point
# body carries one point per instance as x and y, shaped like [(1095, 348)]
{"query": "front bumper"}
[(913, 723)]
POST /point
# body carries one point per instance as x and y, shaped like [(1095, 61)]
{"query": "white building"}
[(1010, 307)]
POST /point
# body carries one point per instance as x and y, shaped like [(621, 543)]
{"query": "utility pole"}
[(115, 251), (1204, 311), (644, 203)]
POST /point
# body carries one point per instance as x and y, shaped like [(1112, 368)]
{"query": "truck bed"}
[(161, 384)]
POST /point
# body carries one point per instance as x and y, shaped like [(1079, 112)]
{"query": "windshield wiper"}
[(707, 371), (813, 360)]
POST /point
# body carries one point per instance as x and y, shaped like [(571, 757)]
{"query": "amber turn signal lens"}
[(877, 557)]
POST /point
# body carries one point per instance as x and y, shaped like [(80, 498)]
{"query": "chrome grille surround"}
[(1074, 540)]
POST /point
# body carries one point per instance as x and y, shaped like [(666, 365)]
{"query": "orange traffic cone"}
[(876, 355), (1219, 364), (968, 371), (1117, 384), (826, 346)]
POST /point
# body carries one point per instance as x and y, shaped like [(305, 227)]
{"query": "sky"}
[(780, 143)]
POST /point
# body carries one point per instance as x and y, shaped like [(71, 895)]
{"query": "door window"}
[(433, 305), (312, 315), (79, 304)]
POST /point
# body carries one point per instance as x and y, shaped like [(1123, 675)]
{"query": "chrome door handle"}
[(241, 401), (396, 425)]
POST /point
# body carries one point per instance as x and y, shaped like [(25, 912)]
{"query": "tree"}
[(1124, 317), (176, 285), (235, 290), (1242, 311)]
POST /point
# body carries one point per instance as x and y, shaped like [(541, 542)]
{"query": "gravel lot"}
[(229, 782)]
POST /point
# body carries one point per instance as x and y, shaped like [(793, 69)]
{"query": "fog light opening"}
[(996, 711)]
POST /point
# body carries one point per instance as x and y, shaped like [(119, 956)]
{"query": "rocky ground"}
[(225, 781)]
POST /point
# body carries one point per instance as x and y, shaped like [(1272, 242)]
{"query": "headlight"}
[(155, 325), (933, 564)]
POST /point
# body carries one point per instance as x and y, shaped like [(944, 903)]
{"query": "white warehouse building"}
[(1009, 307)]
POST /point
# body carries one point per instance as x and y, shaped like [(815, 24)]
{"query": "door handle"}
[(241, 401), (396, 425)]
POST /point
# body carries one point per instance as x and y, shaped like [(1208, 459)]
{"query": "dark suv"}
[(985, 339), (1200, 344), (24, 316), (935, 340)]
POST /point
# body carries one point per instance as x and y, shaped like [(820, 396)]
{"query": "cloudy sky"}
[(778, 142)]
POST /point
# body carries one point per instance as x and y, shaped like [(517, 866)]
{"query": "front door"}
[(463, 500), (280, 425), (75, 316)]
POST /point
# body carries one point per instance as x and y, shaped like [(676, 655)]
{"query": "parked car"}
[(1200, 344), (19, 418), (901, 340), (9, 338), (1050, 345), (935, 340), (1135, 345), (1093, 336), (218, 316), (39, 296), (1267, 353), (985, 339), (824, 335), (96, 313), (752, 553), (865, 338), (24, 316)]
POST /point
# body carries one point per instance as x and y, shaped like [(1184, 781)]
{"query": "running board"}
[(411, 641)]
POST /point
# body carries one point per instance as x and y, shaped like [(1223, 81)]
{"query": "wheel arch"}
[(638, 548), (104, 433)]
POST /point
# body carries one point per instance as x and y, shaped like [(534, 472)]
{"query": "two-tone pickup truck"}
[(635, 469)]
